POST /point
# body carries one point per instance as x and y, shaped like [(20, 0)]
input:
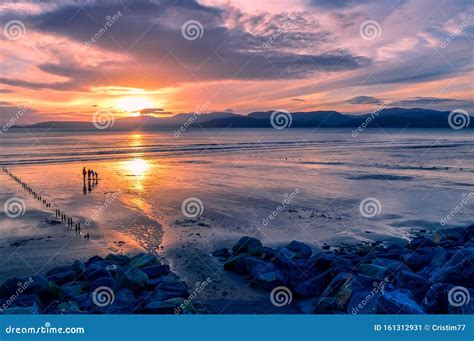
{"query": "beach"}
[(275, 187)]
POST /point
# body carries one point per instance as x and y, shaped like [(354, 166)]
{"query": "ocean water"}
[(189, 195)]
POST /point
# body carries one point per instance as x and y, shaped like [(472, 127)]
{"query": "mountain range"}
[(385, 118)]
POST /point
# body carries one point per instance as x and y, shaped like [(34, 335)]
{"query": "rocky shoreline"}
[(431, 274), (116, 284)]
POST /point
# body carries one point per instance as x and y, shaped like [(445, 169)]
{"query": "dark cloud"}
[(298, 100), (151, 33), (6, 91), (152, 111), (364, 100), (425, 101)]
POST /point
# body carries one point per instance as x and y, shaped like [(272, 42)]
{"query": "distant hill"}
[(386, 118)]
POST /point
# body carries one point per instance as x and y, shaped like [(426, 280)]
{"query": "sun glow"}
[(134, 104)]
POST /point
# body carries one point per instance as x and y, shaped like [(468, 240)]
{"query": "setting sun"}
[(134, 104)]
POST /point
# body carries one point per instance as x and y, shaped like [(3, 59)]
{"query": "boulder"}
[(436, 299), (97, 269), (421, 241), (63, 277), (72, 290), (156, 270), (117, 259), (264, 275), (144, 260), (363, 302), (300, 250), (313, 286), (398, 302), (30, 309), (458, 270), (262, 252), (102, 282), (77, 268), (229, 265), (131, 278), (418, 285), (375, 271), (69, 307), (169, 289), (244, 243)]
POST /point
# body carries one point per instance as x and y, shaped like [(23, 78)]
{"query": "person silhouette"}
[(84, 172)]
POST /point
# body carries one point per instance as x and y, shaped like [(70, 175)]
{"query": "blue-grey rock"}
[(242, 246), (313, 286), (63, 277), (118, 259), (77, 267), (363, 302), (72, 290), (375, 271), (265, 275), (144, 260), (156, 270), (398, 302), (102, 282), (301, 250), (169, 306), (132, 278)]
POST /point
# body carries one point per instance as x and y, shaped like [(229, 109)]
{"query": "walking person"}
[(84, 173)]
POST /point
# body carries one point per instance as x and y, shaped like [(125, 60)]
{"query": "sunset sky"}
[(164, 57)]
